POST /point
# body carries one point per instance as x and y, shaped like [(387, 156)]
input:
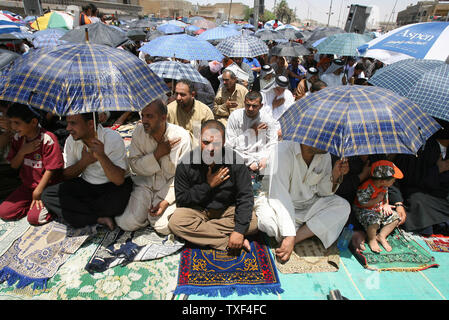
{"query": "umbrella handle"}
[(87, 35)]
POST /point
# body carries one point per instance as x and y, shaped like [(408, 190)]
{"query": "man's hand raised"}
[(217, 178)]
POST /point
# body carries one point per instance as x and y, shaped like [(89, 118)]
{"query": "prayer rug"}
[(212, 272), (406, 255), (437, 244), (310, 256), (122, 247), (37, 255), (10, 231)]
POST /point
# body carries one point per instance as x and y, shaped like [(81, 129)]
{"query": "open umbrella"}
[(269, 35), (141, 24), (6, 57), (79, 78), (53, 19), (153, 35), (218, 33), (178, 23), (192, 28), (181, 46), (177, 70), (8, 26), (342, 44), (136, 35), (48, 38), (358, 120), (290, 49), (269, 24), (98, 33), (323, 32), (242, 46), (204, 24), (170, 28), (425, 82), (290, 34), (427, 40)]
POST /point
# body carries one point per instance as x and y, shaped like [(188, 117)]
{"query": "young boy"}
[(38, 155), (371, 204)]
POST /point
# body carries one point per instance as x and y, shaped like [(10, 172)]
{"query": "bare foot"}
[(246, 245), (358, 240), (374, 245), (108, 222), (383, 241), (285, 250)]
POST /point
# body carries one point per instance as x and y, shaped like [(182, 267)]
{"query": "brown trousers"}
[(206, 228)]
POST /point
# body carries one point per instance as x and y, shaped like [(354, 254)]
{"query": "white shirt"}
[(241, 138), (267, 100), (332, 80), (443, 150), (114, 148)]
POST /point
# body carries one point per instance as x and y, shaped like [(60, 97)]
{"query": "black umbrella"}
[(290, 49), (98, 33), (267, 35), (136, 35), (291, 34), (143, 23), (155, 34), (320, 33), (6, 57)]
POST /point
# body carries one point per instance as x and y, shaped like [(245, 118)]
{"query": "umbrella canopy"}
[(233, 26), (6, 57), (154, 34), (192, 28), (182, 46), (177, 70), (142, 23), (290, 34), (357, 120), (269, 35), (98, 33), (320, 33), (178, 23), (136, 35), (170, 28), (204, 24), (218, 33), (54, 19), (8, 26), (427, 40), (342, 44), (290, 49), (242, 46), (19, 36), (48, 38), (248, 26), (425, 82), (79, 78)]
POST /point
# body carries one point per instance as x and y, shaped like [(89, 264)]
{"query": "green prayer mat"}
[(406, 255)]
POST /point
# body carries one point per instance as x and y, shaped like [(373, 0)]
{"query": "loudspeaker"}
[(32, 7), (357, 17)]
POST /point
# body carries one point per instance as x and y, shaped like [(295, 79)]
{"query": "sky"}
[(318, 9)]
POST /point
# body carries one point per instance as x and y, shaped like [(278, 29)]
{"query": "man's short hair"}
[(90, 116), (318, 85), (231, 73), (188, 83), (161, 107), (22, 112), (253, 95), (215, 124)]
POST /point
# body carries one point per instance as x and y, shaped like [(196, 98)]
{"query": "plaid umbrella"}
[(48, 38), (342, 44), (177, 70), (218, 33), (170, 28), (181, 46), (98, 33), (80, 78), (425, 82), (290, 49), (242, 46), (6, 57), (357, 120)]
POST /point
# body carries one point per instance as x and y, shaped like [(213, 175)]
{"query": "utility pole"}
[(339, 14), (391, 16), (229, 16), (256, 13), (330, 12)]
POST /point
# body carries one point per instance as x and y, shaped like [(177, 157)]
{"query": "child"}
[(371, 204), (37, 153)]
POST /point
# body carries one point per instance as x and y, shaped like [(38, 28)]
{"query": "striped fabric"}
[(425, 82), (242, 46), (9, 26), (177, 70), (80, 78), (357, 120)]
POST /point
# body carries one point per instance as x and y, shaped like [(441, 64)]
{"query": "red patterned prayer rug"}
[(213, 272)]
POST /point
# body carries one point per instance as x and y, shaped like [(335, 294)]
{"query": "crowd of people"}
[(210, 165)]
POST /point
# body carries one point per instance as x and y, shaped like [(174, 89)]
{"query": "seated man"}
[(96, 186), (334, 75), (214, 196), (299, 200), (303, 88), (251, 133), (230, 96), (187, 112), (155, 149)]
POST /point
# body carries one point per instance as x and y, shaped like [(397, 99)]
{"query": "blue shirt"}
[(253, 63), (300, 70)]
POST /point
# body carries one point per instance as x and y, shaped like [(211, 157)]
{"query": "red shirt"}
[(47, 157), (368, 191)]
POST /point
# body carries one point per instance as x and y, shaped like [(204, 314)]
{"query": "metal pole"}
[(339, 14), (229, 16), (256, 14), (330, 12)]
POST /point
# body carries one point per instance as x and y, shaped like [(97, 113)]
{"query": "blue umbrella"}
[(170, 28), (218, 33), (79, 78), (248, 26), (358, 120), (427, 40), (49, 38), (192, 28), (9, 26), (182, 46), (342, 44), (425, 82)]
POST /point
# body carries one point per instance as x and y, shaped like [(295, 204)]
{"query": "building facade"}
[(423, 11), (220, 11), (167, 8)]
